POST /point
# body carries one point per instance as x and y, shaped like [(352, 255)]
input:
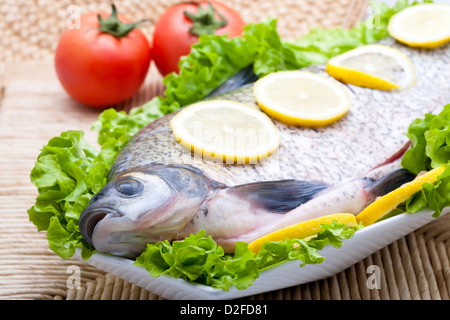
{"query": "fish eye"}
[(129, 187)]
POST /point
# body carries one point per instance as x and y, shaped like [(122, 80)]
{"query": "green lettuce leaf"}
[(430, 142), (197, 258), (430, 148), (69, 171), (306, 251), (65, 178)]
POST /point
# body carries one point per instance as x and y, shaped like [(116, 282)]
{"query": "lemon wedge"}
[(425, 25), (373, 66), (385, 204), (302, 98), (303, 229), (225, 131)]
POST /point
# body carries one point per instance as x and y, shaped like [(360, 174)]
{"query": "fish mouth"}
[(90, 218)]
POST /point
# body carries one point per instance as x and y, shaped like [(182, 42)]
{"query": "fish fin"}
[(239, 79), (396, 156), (389, 182), (279, 196)]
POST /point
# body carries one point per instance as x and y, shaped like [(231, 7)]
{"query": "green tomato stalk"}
[(116, 27), (205, 21)]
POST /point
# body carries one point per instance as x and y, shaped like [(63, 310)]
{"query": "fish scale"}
[(158, 190), (373, 129)]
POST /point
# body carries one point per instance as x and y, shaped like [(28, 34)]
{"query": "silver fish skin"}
[(158, 190)]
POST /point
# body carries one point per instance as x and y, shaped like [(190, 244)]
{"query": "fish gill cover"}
[(69, 171)]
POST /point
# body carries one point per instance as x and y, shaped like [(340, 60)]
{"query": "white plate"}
[(365, 242)]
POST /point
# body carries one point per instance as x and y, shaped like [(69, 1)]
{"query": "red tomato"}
[(99, 69), (173, 35)]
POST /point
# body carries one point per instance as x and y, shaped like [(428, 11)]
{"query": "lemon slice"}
[(225, 131), (302, 98), (385, 204), (373, 66), (424, 25), (303, 229)]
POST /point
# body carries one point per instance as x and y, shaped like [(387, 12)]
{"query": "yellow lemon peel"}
[(424, 26), (302, 98), (303, 229), (385, 204), (225, 131), (373, 66)]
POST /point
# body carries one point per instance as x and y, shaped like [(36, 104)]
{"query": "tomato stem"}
[(116, 27), (205, 21)]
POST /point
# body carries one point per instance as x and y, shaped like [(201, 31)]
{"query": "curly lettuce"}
[(430, 148), (199, 259)]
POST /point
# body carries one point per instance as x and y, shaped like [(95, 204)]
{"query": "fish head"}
[(141, 207)]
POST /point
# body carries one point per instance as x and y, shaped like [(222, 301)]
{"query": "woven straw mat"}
[(414, 267)]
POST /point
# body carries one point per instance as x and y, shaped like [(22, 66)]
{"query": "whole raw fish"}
[(158, 190)]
